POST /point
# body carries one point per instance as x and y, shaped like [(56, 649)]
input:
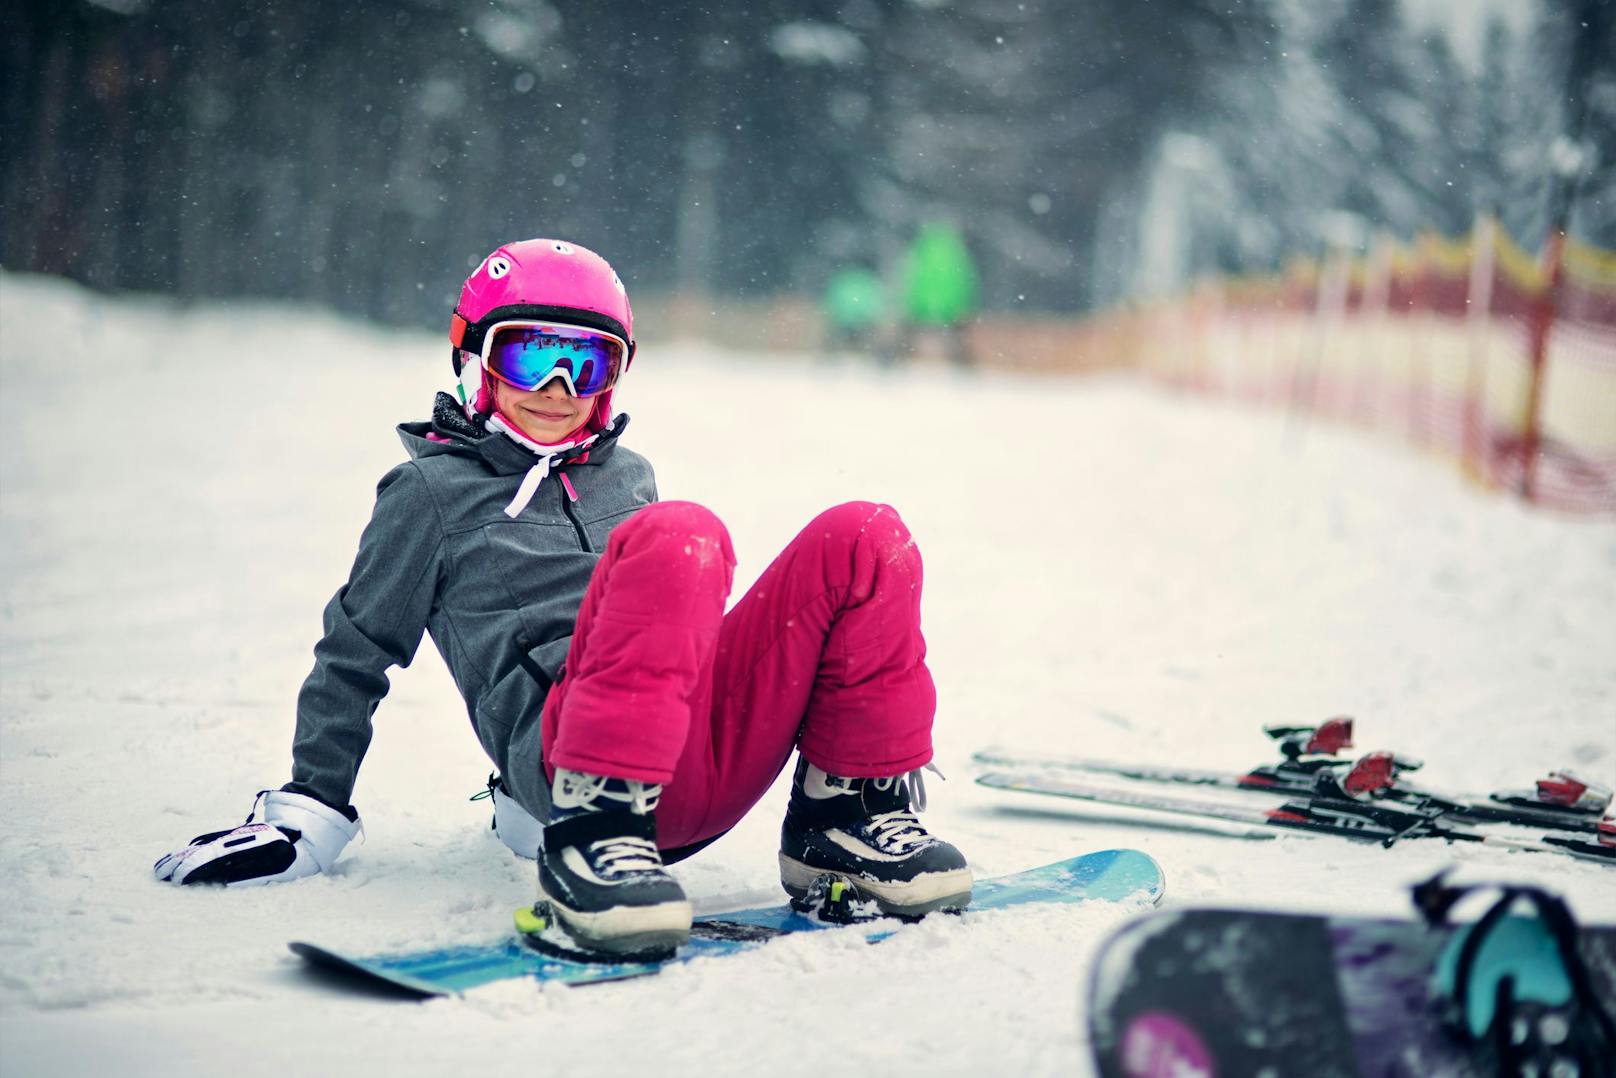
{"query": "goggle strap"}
[(475, 333)]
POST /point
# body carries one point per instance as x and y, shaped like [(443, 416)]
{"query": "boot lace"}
[(900, 832), (897, 832), (616, 857), (578, 790)]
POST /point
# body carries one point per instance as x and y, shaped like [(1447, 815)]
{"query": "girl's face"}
[(547, 414)]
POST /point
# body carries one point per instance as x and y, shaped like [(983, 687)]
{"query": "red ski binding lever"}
[(1326, 739), (1607, 832), (1568, 791), (1376, 773), (1331, 737)]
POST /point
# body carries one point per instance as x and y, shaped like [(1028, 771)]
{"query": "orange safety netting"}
[(1470, 347)]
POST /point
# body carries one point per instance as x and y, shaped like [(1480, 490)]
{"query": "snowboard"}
[(1107, 875), (1210, 993)]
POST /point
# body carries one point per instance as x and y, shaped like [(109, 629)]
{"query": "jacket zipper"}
[(566, 507)]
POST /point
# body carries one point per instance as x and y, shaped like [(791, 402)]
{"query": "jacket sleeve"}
[(374, 622)]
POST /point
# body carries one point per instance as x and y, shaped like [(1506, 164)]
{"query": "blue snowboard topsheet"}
[(1108, 875)]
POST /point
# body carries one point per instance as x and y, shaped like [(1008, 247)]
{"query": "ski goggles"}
[(527, 354)]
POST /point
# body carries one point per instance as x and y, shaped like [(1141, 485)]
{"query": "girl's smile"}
[(547, 414)]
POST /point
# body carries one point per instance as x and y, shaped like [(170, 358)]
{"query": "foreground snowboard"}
[(1109, 875), (1206, 993)]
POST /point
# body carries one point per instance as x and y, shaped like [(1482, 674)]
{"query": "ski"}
[(1559, 802), (1305, 752), (1343, 817)]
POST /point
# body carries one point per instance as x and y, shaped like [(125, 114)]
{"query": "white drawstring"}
[(540, 471), (530, 486)]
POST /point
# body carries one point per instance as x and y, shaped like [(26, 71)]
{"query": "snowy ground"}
[(1110, 571)]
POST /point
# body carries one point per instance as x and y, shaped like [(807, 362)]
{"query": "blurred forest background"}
[(365, 156)]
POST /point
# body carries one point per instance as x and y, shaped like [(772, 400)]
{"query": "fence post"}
[(1417, 389), (1542, 325), (1478, 319), (1571, 163), (1374, 322)]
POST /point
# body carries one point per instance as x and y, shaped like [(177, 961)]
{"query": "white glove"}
[(287, 836)]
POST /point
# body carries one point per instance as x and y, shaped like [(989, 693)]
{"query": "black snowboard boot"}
[(864, 830), (600, 872)]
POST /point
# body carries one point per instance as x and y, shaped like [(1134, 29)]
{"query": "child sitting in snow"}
[(631, 720)]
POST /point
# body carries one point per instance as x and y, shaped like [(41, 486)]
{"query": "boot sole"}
[(625, 930), (924, 894)]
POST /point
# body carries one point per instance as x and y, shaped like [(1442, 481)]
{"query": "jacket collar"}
[(450, 431)]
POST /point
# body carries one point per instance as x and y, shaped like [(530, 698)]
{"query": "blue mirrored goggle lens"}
[(527, 357)]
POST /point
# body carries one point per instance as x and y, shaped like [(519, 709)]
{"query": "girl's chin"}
[(547, 430)]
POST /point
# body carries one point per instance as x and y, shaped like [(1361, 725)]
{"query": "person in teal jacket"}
[(855, 306)]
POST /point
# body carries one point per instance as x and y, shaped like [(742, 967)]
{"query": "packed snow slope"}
[(1110, 571)]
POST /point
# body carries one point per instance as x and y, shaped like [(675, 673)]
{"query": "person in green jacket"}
[(940, 287)]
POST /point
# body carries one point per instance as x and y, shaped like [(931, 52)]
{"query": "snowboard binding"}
[(1514, 985), (542, 931), (836, 900)]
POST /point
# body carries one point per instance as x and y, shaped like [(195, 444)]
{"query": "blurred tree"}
[(364, 156)]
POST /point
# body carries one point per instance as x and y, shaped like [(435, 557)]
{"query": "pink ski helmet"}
[(546, 280)]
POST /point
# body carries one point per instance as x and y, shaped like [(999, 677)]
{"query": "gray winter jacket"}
[(498, 594)]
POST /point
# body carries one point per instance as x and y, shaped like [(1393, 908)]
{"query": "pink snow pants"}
[(824, 653)]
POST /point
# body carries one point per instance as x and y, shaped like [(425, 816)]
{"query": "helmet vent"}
[(498, 266)]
